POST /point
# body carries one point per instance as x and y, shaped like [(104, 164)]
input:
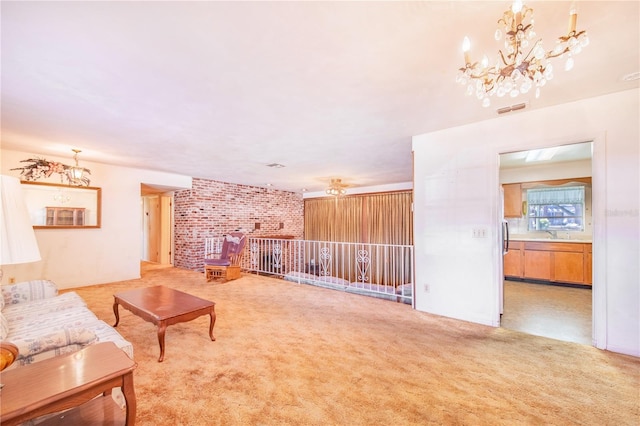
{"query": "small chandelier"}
[(336, 188), (61, 196), (76, 172), (524, 66)]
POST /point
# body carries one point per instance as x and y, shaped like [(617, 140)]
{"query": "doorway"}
[(157, 225), (538, 296)]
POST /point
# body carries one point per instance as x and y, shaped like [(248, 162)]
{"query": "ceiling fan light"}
[(336, 188)]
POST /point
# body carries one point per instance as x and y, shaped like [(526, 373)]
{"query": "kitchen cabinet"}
[(512, 200), (568, 267), (549, 261), (537, 264), (513, 260), (588, 268)]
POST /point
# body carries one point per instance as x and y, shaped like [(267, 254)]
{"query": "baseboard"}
[(544, 282)]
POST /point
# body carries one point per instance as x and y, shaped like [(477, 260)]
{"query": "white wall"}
[(79, 257), (565, 170), (456, 189)]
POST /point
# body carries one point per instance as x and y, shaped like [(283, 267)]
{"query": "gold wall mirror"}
[(53, 205)]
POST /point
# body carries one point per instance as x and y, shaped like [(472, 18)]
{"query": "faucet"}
[(554, 234)]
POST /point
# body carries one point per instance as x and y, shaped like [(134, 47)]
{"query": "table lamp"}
[(17, 242)]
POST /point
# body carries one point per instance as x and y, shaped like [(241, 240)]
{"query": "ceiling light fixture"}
[(523, 66), (336, 188), (544, 154), (76, 172), (631, 77), (61, 196)]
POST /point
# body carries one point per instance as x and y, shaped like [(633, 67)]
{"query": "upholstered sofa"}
[(43, 324)]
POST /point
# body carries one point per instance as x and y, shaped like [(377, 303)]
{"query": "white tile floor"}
[(561, 313)]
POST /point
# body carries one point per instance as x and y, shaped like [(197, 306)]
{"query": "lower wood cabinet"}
[(588, 264), (537, 265), (568, 267), (549, 261), (512, 260)]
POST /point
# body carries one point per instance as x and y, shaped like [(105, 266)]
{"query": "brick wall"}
[(212, 208)]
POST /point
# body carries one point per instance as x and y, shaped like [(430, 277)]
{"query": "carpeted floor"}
[(289, 354)]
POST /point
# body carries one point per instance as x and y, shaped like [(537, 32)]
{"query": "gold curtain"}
[(335, 219), (384, 218), (371, 218), (389, 219)]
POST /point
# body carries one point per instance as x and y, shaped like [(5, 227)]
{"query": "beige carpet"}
[(289, 354)]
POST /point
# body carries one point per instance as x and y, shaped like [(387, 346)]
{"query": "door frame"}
[(599, 249)]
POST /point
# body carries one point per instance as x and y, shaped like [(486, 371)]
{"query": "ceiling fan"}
[(336, 188)]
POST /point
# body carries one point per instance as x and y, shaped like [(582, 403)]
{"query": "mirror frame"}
[(71, 189)]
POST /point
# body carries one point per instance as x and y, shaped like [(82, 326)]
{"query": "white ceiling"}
[(219, 90)]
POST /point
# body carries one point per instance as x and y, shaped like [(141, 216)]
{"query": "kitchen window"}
[(556, 209)]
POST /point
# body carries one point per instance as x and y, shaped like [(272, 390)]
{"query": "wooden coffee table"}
[(71, 381), (164, 306)]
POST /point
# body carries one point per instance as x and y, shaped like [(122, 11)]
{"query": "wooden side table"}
[(71, 381)]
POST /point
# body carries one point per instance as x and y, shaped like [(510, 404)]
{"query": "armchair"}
[(227, 265)]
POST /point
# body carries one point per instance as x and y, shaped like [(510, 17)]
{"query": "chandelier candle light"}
[(524, 66)]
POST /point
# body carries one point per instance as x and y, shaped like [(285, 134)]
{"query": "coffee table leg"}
[(212, 315), (162, 328), (115, 311)]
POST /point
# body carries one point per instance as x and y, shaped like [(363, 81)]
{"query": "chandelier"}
[(525, 64), (336, 188)]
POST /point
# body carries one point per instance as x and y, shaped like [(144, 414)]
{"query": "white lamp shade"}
[(18, 241)]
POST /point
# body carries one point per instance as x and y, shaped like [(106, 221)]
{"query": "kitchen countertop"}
[(549, 240)]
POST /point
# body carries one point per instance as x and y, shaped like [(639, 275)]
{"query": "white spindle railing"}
[(382, 269)]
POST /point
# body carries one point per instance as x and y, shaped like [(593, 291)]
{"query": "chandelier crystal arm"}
[(563, 41)]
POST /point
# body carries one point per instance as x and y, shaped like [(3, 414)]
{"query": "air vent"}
[(275, 165), (512, 108)]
